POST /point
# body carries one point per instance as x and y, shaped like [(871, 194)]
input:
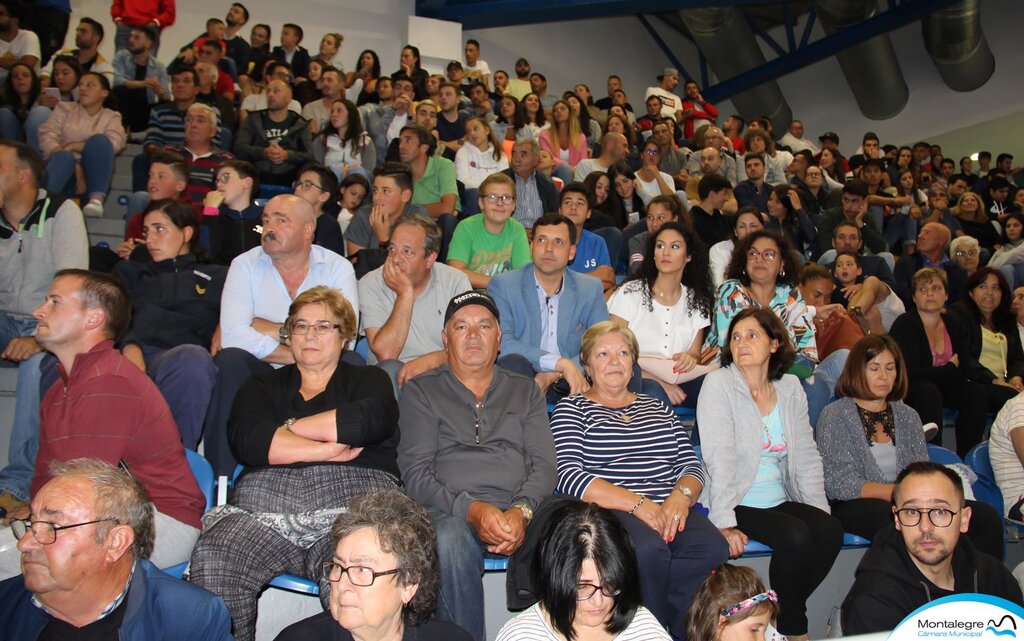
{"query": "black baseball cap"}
[(470, 298)]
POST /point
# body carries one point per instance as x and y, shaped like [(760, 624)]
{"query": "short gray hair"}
[(530, 142), (405, 531), (432, 233), (118, 497), (207, 109)]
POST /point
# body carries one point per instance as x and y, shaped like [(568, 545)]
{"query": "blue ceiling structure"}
[(796, 52)]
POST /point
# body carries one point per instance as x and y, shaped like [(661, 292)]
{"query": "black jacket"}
[(908, 332), (972, 335), (174, 302), (888, 586), (299, 64), (546, 189), (232, 232)]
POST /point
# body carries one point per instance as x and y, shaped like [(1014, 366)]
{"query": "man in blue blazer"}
[(545, 308)]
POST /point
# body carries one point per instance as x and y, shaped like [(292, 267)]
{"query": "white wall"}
[(589, 50)]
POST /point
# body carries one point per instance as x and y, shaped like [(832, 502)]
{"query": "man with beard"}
[(924, 558)]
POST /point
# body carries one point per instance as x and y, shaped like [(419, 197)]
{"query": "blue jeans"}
[(97, 161), (564, 172), (185, 376), (36, 117), (1014, 274), (10, 127), (461, 557), (21, 453), (820, 388)]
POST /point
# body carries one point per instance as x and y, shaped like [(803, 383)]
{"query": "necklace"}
[(666, 295)]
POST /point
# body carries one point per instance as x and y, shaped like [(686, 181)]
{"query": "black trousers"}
[(134, 107), (805, 542), (866, 517), (51, 25), (971, 399)]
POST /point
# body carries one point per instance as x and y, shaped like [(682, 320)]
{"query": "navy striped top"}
[(642, 447)]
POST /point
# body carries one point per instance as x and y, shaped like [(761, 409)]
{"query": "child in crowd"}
[(231, 218), (168, 178), (481, 156), (880, 305), (733, 605), (491, 242)]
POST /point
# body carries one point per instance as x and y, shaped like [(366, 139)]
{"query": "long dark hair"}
[(540, 120), (375, 67), (72, 63), (696, 276), (416, 53), (518, 119), (737, 268), (181, 216), (11, 97), (574, 533), (353, 131), (1016, 215), (1003, 317), (772, 325)]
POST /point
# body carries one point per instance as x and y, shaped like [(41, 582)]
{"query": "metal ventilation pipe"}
[(957, 45), (728, 44), (871, 68)]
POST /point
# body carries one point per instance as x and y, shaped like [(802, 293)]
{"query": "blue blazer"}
[(515, 292)]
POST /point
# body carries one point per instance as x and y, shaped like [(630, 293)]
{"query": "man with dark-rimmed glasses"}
[(924, 557), (85, 573)]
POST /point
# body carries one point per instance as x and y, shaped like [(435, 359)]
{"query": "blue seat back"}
[(938, 454), (985, 488), (203, 472)]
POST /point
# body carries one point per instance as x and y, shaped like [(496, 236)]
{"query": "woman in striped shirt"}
[(629, 453)]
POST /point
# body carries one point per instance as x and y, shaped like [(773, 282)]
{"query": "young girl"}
[(481, 156), (732, 605), (353, 192), (879, 304), (343, 145)]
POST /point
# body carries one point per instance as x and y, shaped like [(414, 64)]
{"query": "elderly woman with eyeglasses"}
[(383, 574), (313, 436)]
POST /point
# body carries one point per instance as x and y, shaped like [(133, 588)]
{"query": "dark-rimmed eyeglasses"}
[(768, 255), (45, 532), (504, 199), (939, 516), (360, 576), (306, 184), (585, 591)]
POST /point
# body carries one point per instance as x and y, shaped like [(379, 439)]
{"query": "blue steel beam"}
[(665, 49), (812, 16), (787, 20), (674, 27), (885, 21), (485, 14), (766, 37)]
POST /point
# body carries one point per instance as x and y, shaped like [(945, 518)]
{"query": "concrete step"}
[(123, 164), (105, 230)]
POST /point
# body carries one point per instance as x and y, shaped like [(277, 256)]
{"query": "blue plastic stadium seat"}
[(854, 541), (756, 548), (685, 414), (363, 348), (293, 583), (938, 454), (495, 564), (985, 489), (203, 472)]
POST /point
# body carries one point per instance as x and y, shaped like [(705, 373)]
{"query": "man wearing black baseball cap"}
[(477, 452)]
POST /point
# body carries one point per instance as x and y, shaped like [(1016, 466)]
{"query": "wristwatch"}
[(282, 334), (526, 510), (688, 493)]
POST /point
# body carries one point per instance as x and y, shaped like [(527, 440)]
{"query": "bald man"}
[(260, 286), (614, 148), (277, 140), (932, 243)]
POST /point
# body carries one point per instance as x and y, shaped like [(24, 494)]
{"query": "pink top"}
[(548, 140), (70, 123), (941, 358)]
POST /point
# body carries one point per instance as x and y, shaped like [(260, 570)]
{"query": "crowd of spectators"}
[(316, 261)]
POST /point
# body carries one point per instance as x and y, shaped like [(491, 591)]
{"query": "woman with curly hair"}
[(668, 305), (383, 575)]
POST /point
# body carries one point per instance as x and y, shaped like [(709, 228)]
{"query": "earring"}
[(783, 272)]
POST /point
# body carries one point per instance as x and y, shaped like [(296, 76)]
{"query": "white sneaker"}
[(930, 430), (94, 209)]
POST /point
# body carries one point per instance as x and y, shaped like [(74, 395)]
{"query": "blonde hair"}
[(497, 179), (334, 301), (979, 215), (597, 330)]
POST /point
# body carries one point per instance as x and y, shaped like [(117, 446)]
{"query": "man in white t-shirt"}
[(475, 68), (671, 103), (16, 45)]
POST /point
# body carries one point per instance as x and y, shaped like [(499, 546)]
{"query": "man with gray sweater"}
[(40, 233), (477, 452)]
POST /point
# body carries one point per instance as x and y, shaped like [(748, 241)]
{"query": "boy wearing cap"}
[(671, 103)]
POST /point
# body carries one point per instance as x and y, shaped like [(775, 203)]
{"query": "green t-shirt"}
[(488, 253), (438, 180)]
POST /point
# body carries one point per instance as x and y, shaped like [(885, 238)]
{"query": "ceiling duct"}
[(728, 44), (871, 67), (957, 45)]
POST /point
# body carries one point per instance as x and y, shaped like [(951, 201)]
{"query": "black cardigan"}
[(363, 396), (908, 332), (972, 335)]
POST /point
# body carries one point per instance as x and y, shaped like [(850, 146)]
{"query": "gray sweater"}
[(442, 463), (846, 454), (50, 238), (730, 434)]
